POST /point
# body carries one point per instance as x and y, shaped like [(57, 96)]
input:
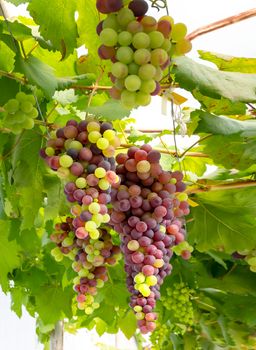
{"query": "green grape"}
[(144, 289), (183, 46), (109, 135), (111, 22), (151, 280), (142, 98), (159, 74), (147, 71), (49, 151), (66, 161), (100, 173), (148, 86), (94, 208), (102, 143), (139, 278), (125, 16), (94, 136), (124, 54), (19, 117), (134, 27), (133, 68), (132, 83), (75, 145), (12, 106), (103, 184), (167, 45), (21, 96), (33, 114), (93, 126), (158, 57), (156, 39), (108, 37), (119, 70), (179, 31), (141, 41), (128, 99), (28, 124), (26, 107), (81, 182), (124, 38), (142, 56), (31, 99)]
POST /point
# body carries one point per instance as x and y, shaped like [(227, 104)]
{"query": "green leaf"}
[(18, 2), (57, 23), (65, 97), (193, 164), (9, 257), (82, 80), (220, 125), (240, 307), (53, 303), (38, 73), (230, 63), (224, 221), (101, 326), (128, 324), (19, 298), (217, 258), (111, 110), (6, 58), (231, 151), (222, 106), (213, 83), (19, 31), (8, 88)]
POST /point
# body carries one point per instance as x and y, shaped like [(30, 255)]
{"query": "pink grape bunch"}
[(148, 211), (140, 48), (90, 260)]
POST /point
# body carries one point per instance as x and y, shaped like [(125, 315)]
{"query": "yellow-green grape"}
[(94, 208), (102, 143), (81, 182), (139, 278), (109, 135), (94, 136), (90, 226), (179, 31), (103, 184), (151, 280), (12, 106), (66, 161), (93, 126), (144, 289), (95, 234)]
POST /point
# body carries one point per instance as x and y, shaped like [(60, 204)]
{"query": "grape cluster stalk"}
[(148, 211), (140, 48)]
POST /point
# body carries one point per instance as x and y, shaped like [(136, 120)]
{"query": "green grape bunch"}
[(20, 113), (179, 301)]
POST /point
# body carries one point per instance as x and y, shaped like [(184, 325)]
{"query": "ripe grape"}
[(108, 37), (138, 7)]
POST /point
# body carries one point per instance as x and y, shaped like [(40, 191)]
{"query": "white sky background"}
[(237, 40)]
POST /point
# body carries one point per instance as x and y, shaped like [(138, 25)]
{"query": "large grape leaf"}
[(8, 88), (230, 63), (220, 106), (57, 22), (231, 151), (221, 125), (111, 110), (9, 257), (224, 220), (18, 2), (38, 73), (237, 87), (6, 58), (53, 303)]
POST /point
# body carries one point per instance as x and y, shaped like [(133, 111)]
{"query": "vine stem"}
[(13, 76), (56, 340), (221, 23), (194, 144), (223, 186)]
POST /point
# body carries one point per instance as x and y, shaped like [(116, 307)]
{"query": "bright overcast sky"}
[(237, 40)]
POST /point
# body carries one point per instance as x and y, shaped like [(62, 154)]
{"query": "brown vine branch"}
[(223, 186), (13, 76), (221, 23)]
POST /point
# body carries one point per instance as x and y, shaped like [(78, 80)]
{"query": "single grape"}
[(142, 56), (124, 17), (124, 54), (141, 41), (124, 38), (149, 24), (179, 31), (108, 37), (12, 106), (158, 57), (134, 27), (111, 22), (132, 83), (147, 71), (142, 98), (128, 99), (138, 7), (119, 70)]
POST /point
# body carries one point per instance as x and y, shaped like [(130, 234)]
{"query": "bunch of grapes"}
[(20, 113), (148, 212), (160, 337), (91, 258), (139, 47), (178, 301)]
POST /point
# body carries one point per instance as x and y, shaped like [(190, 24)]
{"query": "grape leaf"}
[(8, 88), (19, 298), (37, 73), (237, 307), (224, 220), (231, 151), (111, 110), (19, 31), (128, 324), (6, 58), (53, 303), (9, 257), (220, 125), (222, 106), (230, 63), (18, 2), (57, 23), (213, 83)]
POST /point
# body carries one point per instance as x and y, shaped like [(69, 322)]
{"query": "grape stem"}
[(221, 24), (223, 186), (13, 76), (194, 144)]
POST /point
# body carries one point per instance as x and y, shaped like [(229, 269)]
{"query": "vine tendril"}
[(160, 4)]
